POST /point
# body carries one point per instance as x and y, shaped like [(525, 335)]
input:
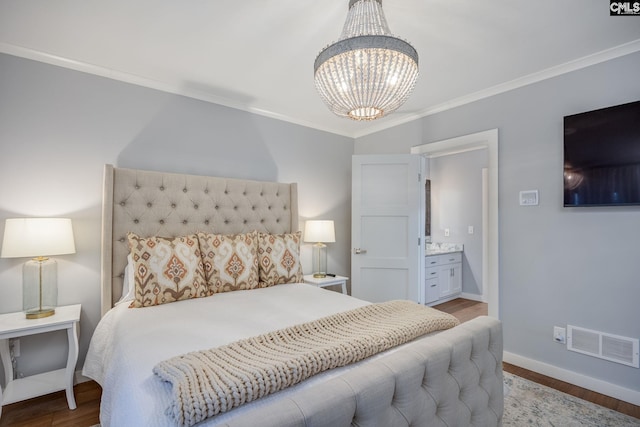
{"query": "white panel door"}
[(387, 227)]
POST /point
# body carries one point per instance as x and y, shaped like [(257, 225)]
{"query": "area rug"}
[(530, 404)]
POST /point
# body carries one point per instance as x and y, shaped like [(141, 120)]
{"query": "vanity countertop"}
[(443, 248)]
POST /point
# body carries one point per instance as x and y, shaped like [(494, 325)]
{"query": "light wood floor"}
[(52, 410)]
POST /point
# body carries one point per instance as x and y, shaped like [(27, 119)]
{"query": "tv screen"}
[(602, 157)]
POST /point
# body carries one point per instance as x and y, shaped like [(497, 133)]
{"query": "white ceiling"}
[(257, 55)]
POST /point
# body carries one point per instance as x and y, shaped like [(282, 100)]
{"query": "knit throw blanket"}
[(209, 382)]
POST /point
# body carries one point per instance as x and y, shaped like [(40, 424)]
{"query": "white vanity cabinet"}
[(443, 277)]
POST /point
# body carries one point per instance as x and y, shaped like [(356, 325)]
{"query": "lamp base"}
[(40, 313), (39, 288), (319, 260)]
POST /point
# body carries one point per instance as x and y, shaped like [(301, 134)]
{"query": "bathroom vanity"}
[(443, 272)]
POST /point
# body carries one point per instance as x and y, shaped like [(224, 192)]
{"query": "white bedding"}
[(128, 342)]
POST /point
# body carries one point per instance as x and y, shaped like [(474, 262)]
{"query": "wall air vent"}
[(604, 346)]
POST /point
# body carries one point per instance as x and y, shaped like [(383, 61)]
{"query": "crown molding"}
[(398, 119), (558, 70)]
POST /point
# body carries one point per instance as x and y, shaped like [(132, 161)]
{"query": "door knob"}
[(359, 251)]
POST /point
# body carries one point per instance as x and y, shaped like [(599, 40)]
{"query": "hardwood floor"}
[(52, 410), (464, 309)]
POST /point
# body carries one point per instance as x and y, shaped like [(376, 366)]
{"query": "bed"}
[(446, 378)]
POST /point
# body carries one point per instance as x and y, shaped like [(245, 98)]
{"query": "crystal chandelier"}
[(368, 72)]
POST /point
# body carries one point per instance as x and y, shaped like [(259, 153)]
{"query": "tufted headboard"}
[(167, 204)]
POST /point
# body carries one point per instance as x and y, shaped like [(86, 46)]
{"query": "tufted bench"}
[(452, 378)]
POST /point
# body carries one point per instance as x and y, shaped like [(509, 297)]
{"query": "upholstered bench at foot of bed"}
[(453, 378)]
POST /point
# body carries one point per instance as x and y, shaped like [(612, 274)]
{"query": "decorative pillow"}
[(279, 256), (230, 261), (166, 269)]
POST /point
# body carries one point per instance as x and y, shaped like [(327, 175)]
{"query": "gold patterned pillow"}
[(279, 256), (230, 261), (166, 269)]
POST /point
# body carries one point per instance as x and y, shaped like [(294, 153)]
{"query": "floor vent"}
[(604, 346)]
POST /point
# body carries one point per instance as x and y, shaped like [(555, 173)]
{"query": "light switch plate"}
[(529, 198)]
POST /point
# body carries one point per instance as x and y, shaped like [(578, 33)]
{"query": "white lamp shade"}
[(34, 237), (319, 231)]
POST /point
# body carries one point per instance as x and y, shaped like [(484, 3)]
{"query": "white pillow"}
[(128, 285)]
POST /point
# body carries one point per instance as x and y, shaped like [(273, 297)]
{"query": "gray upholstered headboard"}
[(166, 204)]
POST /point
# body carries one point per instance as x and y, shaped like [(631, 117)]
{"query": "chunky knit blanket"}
[(209, 382)]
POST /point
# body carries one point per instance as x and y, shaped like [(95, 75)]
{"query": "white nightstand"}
[(327, 281), (15, 325)]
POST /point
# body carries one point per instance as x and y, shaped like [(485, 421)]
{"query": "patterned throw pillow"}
[(230, 261), (166, 269), (279, 256)]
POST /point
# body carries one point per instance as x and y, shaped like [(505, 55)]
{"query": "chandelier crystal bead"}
[(368, 72)]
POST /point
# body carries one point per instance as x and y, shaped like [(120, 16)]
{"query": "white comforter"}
[(128, 342)]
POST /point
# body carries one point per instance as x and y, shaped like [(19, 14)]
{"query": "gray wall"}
[(456, 204), (59, 127), (558, 266)]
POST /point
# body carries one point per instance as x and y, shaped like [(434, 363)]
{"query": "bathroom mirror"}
[(427, 211)]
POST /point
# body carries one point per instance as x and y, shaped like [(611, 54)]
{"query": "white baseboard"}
[(584, 381), (472, 297)]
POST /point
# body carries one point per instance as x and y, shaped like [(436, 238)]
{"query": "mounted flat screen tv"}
[(602, 157)]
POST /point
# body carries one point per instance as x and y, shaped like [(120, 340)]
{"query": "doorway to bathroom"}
[(487, 140)]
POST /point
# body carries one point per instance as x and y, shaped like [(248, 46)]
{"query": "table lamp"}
[(38, 238), (320, 232)]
